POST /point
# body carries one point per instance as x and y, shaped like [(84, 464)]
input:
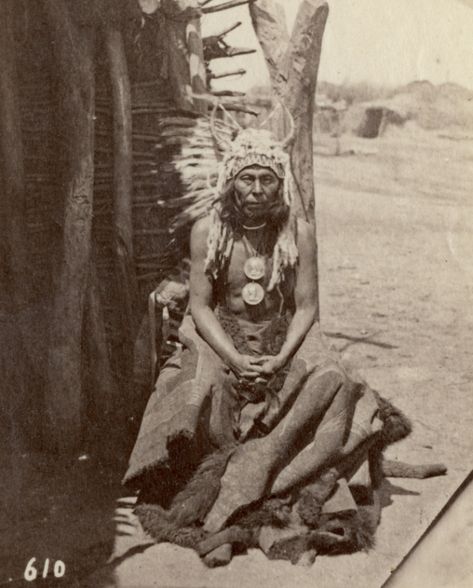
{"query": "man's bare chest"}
[(246, 266), (249, 296)]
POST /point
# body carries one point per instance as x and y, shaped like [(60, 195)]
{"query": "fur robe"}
[(292, 468)]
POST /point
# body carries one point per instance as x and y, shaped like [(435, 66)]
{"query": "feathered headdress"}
[(255, 147)]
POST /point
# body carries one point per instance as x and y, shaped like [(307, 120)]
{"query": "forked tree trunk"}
[(293, 65), (75, 65)]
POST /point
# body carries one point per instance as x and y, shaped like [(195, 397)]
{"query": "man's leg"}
[(326, 399), (177, 406)]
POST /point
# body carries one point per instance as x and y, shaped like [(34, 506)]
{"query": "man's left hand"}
[(269, 365)]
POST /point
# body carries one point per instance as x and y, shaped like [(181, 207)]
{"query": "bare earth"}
[(395, 232)]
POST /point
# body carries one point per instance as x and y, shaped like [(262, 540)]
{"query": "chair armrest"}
[(155, 313), (168, 297)]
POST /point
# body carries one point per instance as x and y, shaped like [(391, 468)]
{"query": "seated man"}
[(255, 430)]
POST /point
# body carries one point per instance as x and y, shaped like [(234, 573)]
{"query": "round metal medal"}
[(254, 268), (253, 293)]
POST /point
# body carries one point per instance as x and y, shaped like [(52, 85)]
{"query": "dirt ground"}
[(395, 233)]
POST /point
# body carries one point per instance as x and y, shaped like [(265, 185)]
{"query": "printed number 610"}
[(31, 573)]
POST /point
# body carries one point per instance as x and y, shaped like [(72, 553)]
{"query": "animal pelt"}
[(340, 533), (182, 522), (399, 469), (271, 512), (335, 535), (291, 549), (313, 496), (396, 425), (345, 533), (190, 506), (163, 529)]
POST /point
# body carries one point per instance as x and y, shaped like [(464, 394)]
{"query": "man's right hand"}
[(245, 367)]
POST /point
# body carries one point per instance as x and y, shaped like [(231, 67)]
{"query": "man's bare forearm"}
[(212, 332), (301, 322)]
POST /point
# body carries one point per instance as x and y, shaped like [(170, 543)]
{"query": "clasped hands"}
[(256, 370)]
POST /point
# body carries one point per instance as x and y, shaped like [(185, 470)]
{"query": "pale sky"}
[(387, 42)]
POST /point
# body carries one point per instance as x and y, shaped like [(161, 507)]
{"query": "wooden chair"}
[(158, 337)]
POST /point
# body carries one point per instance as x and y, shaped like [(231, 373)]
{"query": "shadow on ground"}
[(56, 510)]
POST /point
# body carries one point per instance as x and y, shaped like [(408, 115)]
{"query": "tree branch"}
[(225, 6), (227, 74), (293, 66), (216, 48)]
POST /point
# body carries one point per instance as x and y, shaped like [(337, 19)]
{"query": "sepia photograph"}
[(236, 293)]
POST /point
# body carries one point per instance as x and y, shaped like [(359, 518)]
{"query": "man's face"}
[(256, 190)]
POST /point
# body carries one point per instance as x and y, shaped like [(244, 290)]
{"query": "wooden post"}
[(104, 400), (75, 65), (122, 141), (13, 238), (11, 159), (293, 65), (197, 70), (186, 52), (126, 284)]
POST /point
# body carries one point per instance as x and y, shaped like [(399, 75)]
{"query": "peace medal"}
[(253, 293), (254, 268)]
